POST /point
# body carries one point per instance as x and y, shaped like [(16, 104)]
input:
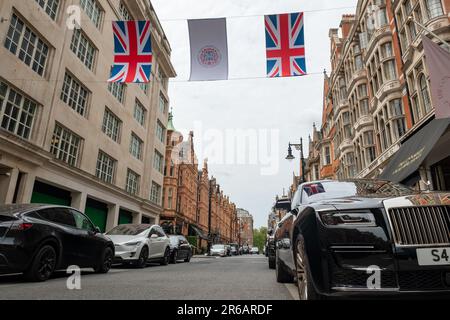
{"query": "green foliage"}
[(259, 238)]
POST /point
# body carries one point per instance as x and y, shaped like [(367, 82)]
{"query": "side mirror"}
[(154, 236)]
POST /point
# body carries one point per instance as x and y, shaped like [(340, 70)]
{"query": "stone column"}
[(113, 216), (9, 186), (79, 200)]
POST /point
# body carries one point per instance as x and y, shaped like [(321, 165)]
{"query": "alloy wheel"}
[(47, 264)]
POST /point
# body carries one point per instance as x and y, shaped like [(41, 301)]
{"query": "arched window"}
[(423, 84)]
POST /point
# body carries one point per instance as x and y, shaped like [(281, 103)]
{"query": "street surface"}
[(204, 278)]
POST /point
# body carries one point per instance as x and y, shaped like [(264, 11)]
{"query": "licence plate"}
[(433, 256)]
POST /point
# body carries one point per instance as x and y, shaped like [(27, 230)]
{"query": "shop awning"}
[(414, 151), (199, 232)]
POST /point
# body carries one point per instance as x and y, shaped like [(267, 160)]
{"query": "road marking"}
[(292, 288)]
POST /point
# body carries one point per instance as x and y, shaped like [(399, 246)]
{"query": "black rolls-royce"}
[(364, 237)]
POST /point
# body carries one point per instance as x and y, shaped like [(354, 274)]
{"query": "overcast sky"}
[(285, 108)]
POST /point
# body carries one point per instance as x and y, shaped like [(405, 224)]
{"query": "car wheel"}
[(143, 257), (106, 262), (166, 258), (306, 290), (174, 256), (271, 263), (282, 275), (43, 265), (188, 259)]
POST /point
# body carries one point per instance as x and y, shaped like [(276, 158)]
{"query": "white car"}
[(218, 250), (139, 244), (254, 250)]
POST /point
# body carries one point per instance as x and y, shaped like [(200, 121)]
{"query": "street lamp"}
[(290, 156)]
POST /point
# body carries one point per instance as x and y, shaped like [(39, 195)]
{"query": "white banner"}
[(209, 49)]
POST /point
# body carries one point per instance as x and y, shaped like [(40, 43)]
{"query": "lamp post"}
[(290, 156)]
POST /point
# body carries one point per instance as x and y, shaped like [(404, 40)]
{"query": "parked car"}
[(228, 250), (236, 249), (38, 239), (218, 250), (338, 231), (245, 249), (270, 250), (140, 243), (180, 249), (254, 250)]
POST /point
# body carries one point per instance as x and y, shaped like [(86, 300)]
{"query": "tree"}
[(259, 238)]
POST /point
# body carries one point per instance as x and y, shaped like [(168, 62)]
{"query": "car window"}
[(153, 231), (160, 232), (296, 200), (58, 215), (81, 221)]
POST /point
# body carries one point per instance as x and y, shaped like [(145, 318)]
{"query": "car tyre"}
[(174, 256), (143, 257), (43, 265), (272, 263), (188, 259), (166, 259), (106, 262), (305, 285), (282, 275)]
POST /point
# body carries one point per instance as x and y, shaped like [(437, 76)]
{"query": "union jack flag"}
[(285, 45), (132, 52)]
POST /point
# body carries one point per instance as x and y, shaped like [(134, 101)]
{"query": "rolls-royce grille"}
[(421, 225)]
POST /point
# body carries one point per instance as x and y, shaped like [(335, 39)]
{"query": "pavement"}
[(204, 278)]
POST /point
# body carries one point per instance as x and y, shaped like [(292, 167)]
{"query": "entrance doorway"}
[(441, 175)]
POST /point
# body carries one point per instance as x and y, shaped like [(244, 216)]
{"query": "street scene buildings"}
[(194, 204), (245, 227), (377, 97), (67, 136)]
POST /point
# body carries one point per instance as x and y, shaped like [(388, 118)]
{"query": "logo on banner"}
[(209, 56)]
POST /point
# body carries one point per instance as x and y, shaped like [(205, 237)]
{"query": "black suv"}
[(39, 239)]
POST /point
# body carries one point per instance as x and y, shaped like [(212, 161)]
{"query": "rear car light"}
[(22, 226)]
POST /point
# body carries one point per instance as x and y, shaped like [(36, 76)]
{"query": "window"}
[(66, 145), (386, 50), (133, 179), (424, 92), (105, 167), (358, 63), (327, 156), (25, 44), (136, 146), (158, 161), (362, 91), (389, 70), (160, 131), (139, 113), (17, 112), (124, 12), (162, 103), (155, 193), (83, 48), (74, 94), (144, 87), (170, 198), (117, 90), (396, 108), (50, 7), (434, 8), (93, 11), (81, 221), (364, 107), (368, 138), (111, 125)]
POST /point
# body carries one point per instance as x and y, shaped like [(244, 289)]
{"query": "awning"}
[(199, 232), (414, 151)]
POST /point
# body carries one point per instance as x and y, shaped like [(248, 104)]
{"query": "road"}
[(230, 278)]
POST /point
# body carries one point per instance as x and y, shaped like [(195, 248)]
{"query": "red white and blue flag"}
[(132, 52), (285, 45)]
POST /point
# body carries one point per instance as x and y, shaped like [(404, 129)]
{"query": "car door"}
[(156, 243), (62, 224), (89, 243)]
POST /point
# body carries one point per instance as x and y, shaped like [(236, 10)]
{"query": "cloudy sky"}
[(275, 111)]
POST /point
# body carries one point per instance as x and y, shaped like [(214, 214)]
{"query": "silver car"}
[(218, 250), (140, 243)]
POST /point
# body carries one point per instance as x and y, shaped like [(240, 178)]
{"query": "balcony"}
[(377, 164), (387, 88), (358, 75), (377, 36), (346, 144), (342, 106), (363, 122)]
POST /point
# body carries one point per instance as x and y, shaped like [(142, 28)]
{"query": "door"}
[(125, 217), (157, 243), (44, 193), (97, 213), (184, 248), (90, 244)]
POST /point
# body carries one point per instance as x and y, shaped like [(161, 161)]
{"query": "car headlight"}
[(133, 244), (363, 219)]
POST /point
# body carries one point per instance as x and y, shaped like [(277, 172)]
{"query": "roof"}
[(12, 209)]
